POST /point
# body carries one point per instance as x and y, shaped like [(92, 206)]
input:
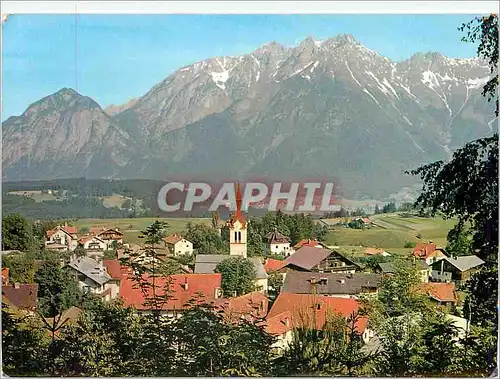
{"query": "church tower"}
[(237, 226)]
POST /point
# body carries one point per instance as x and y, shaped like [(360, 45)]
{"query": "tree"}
[(105, 341), (485, 30), (274, 283), (214, 347), (406, 207), (238, 276), (372, 262), (482, 300), (401, 351), (466, 187), (24, 343), (320, 232), (460, 244), (17, 233), (206, 240), (21, 267), (389, 208), (440, 346), (152, 276), (57, 289), (397, 295), (333, 349), (377, 210)]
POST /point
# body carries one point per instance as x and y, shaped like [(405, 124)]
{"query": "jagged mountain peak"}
[(319, 107), (63, 99)]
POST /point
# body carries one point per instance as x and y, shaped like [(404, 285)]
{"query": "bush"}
[(409, 244)]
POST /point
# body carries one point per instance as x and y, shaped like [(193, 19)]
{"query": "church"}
[(236, 228)]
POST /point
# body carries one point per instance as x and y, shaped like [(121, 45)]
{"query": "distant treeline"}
[(81, 198), (135, 188)]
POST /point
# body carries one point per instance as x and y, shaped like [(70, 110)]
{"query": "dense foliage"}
[(238, 276)]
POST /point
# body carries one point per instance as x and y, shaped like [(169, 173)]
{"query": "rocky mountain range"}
[(331, 109)]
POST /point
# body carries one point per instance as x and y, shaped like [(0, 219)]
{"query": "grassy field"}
[(113, 200), (38, 196), (131, 227), (391, 232)]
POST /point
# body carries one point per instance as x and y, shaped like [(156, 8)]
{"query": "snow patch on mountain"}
[(429, 79), (369, 94), (350, 72), (220, 78), (386, 83), (314, 66), (477, 82)]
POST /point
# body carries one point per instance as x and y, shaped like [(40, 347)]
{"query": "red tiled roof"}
[(308, 243), (443, 292), (304, 306), (366, 220), (172, 238), (95, 230), (85, 239), (253, 305), (273, 264), (204, 285), (23, 297), (51, 232), (424, 250), (70, 229), (279, 324), (114, 268), (5, 275)]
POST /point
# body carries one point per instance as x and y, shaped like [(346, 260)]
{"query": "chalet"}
[(207, 263), (331, 284), (184, 292), (62, 238), (93, 277), (177, 245), (94, 245), (108, 235), (443, 294), (310, 243), (424, 270), (250, 307), (278, 243), (363, 220), (291, 311), (428, 252), (319, 260), (20, 296), (459, 269)]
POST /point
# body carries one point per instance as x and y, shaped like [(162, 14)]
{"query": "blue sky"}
[(113, 58)]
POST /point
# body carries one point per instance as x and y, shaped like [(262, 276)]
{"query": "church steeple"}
[(238, 199), (238, 227)]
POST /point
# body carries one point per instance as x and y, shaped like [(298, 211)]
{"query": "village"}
[(308, 278)]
